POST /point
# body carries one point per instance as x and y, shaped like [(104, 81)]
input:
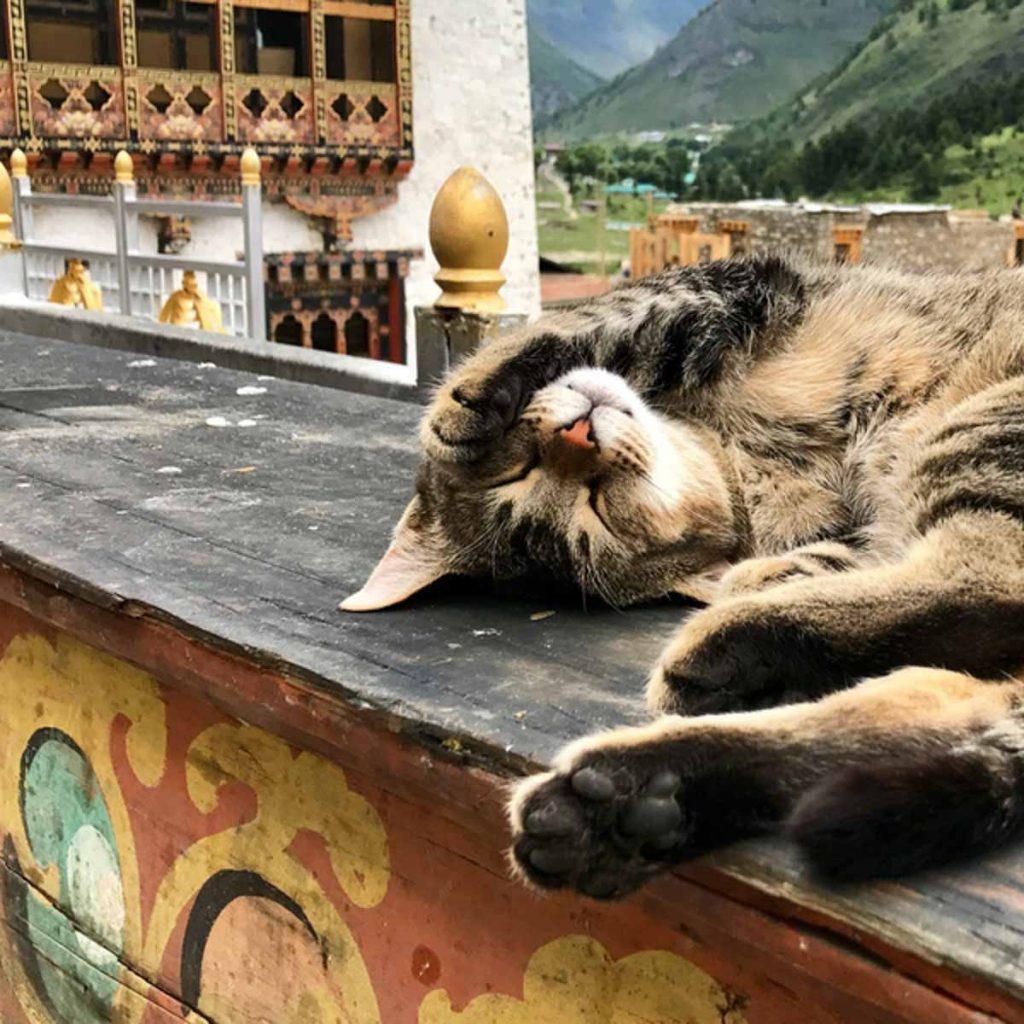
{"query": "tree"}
[(926, 179)]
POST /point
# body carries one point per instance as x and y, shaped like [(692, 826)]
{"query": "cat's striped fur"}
[(832, 459)]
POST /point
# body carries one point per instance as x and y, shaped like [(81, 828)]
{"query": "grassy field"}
[(575, 241)]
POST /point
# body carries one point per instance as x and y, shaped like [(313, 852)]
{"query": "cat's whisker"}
[(597, 581)]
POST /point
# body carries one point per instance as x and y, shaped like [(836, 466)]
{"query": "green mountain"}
[(924, 49), (735, 60), (929, 107), (608, 36), (555, 79)]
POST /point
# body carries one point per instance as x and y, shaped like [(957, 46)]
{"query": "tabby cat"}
[(832, 460)]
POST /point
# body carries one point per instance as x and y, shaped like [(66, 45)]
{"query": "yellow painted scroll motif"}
[(95, 775), (574, 980)]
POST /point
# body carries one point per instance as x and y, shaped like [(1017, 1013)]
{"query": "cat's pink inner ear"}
[(412, 562)]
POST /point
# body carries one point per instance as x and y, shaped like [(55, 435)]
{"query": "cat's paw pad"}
[(601, 828)]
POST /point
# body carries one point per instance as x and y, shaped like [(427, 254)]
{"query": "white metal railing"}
[(143, 281)]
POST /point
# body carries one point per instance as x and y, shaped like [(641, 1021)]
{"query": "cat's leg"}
[(955, 599), (818, 559), (897, 773)]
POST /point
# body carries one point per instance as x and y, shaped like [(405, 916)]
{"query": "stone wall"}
[(774, 228), (937, 241), (918, 239)]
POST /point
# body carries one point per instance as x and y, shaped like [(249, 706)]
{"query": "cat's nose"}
[(579, 435), (574, 449)]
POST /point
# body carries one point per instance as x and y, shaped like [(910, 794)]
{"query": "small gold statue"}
[(189, 307), (76, 288)]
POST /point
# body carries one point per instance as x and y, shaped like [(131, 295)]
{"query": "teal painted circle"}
[(68, 825), (96, 896)]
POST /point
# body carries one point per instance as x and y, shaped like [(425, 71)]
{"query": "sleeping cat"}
[(832, 459)]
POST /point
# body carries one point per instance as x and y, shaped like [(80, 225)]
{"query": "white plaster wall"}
[(284, 230), (471, 105), (89, 228), (92, 228), (215, 238)]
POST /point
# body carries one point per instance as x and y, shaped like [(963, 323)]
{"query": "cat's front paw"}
[(603, 823), (472, 412), (740, 655)]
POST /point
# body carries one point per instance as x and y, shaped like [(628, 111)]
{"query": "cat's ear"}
[(414, 560), (703, 586)]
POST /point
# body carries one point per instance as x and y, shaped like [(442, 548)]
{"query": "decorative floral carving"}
[(181, 106), (362, 113), (274, 109), (76, 102)]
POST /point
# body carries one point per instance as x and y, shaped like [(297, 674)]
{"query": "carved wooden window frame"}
[(389, 151)]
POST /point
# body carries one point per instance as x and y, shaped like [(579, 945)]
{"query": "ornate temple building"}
[(359, 109)]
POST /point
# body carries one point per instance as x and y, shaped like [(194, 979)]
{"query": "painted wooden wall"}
[(162, 861)]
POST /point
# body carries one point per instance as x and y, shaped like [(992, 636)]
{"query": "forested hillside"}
[(735, 60), (922, 49), (930, 107), (555, 79)]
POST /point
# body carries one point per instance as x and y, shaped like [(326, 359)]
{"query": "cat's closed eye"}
[(518, 474)]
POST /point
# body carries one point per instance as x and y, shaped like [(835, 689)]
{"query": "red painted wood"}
[(396, 318), (451, 919)]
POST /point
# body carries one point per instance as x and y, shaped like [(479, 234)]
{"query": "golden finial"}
[(124, 169), (7, 239), (250, 166), (469, 237), (19, 164)]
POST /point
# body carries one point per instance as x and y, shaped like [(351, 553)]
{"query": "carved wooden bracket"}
[(338, 211)]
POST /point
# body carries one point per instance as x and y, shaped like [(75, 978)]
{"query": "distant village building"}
[(912, 236), (358, 110)]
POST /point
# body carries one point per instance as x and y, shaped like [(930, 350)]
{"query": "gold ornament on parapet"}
[(189, 307), (76, 288), (8, 241), (469, 238)]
